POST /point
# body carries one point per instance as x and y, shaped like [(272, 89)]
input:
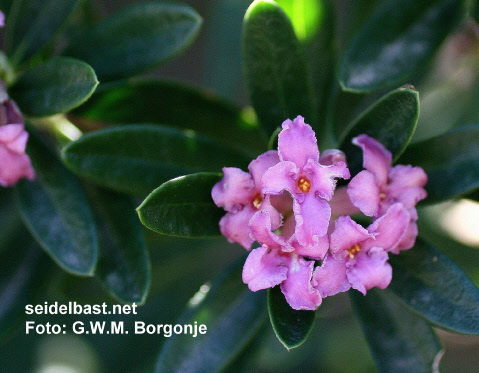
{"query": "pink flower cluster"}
[(310, 246), (14, 163)]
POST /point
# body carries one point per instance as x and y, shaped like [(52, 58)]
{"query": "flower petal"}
[(369, 269), (323, 178), (406, 185), (297, 142), (259, 166), (332, 156), (346, 234), (376, 158), (408, 240), (262, 230), (365, 193), (235, 190), (389, 229), (312, 221), (297, 288), (265, 268), (281, 176), (13, 167), (234, 226), (330, 278)]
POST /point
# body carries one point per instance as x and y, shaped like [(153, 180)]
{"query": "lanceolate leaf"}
[(430, 284), (232, 314), (175, 104), (138, 158), (136, 39), (183, 207), (31, 24), (451, 162), (292, 327), (399, 340), (55, 86), (275, 68), (123, 263), (391, 120), (56, 211), (398, 39)]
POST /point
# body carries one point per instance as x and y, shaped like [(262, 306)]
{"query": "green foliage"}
[(183, 207), (430, 284), (55, 209), (136, 39), (55, 86), (399, 340), (123, 262), (397, 41), (275, 70), (451, 161), (292, 327), (137, 158), (31, 25), (177, 105), (233, 316), (391, 120)]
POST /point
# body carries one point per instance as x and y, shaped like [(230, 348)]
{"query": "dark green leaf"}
[(399, 341), (391, 120), (137, 158), (275, 68), (397, 40), (136, 39), (123, 263), (451, 162), (183, 207), (175, 104), (56, 86), (292, 327), (31, 24), (232, 314), (430, 284), (56, 211), (22, 281)]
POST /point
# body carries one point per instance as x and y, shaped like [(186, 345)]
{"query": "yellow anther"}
[(353, 250), (257, 201), (304, 185)]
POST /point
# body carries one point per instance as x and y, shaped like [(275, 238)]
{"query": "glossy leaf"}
[(305, 15), (430, 284), (232, 314), (123, 263), (291, 327), (275, 69), (175, 104), (22, 281), (56, 211), (391, 120), (32, 24), (55, 86), (138, 158), (151, 32), (183, 207), (451, 162), (399, 340), (397, 40)]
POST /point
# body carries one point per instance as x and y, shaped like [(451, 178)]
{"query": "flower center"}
[(304, 185), (382, 196), (353, 250), (257, 201)]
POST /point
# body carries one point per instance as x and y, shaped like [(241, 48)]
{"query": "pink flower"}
[(239, 193), (379, 186), (310, 183), (14, 163), (359, 256)]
